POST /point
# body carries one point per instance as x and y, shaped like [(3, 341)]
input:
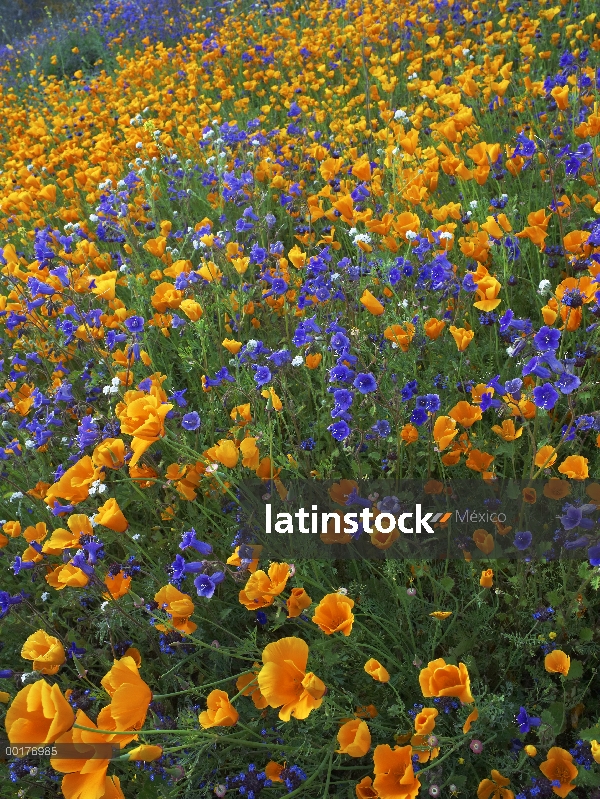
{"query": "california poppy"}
[(284, 682), (219, 713), (46, 652), (495, 787), (354, 738), (559, 767), (557, 662), (487, 578), (38, 713), (441, 679), (394, 773), (334, 614), (376, 670)]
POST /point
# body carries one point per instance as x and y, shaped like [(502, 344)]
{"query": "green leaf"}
[(447, 583), (584, 569), (585, 634), (554, 717), (591, 734), (465, 645), (513, 491), (553, 598), (588, 778), (575, 670)]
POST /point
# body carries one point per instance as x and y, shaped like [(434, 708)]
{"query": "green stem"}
[(199, 687)]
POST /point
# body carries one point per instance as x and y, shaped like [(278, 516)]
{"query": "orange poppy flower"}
[(495, 788), (383, 540), (67, 575), (433, 328), (451, 458), (487, 292), (232, 346), (75, 483), (110, 453), (441, 679), (85, 776), (365, 790), (331, 536), (444, 431), (399, 335), (273, 771), (394, 773), (13, 529), (354, 738), (297, 602), (462, 337), (465, 414), (559, 767), (441, 615), (248, 685), (145, 753), (575, 467), (236, 560), (118, 585), (334, 614), (313, 360), (178, 606), (110, 515), (377, 671), (557, 662), (225, 452), (425, 720), (284, 682), (479, 461), (473, 716), (219, 713), (250, 453), (434, 487), (263, 586), (484, 541), (487, 578), (142, 416), (39, 713), (593, 492), (422, 749), (556, 488), (366, 712), (130, 696), (371, 303), (339, 492), (545, 457), (507, 431), (46, 652), (409, 434)]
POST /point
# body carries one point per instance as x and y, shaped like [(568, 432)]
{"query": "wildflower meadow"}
[(299, 400)]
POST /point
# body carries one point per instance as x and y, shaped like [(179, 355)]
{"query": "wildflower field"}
[(257, 253)]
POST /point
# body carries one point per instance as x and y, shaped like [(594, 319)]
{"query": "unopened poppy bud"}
[(177, 773)]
